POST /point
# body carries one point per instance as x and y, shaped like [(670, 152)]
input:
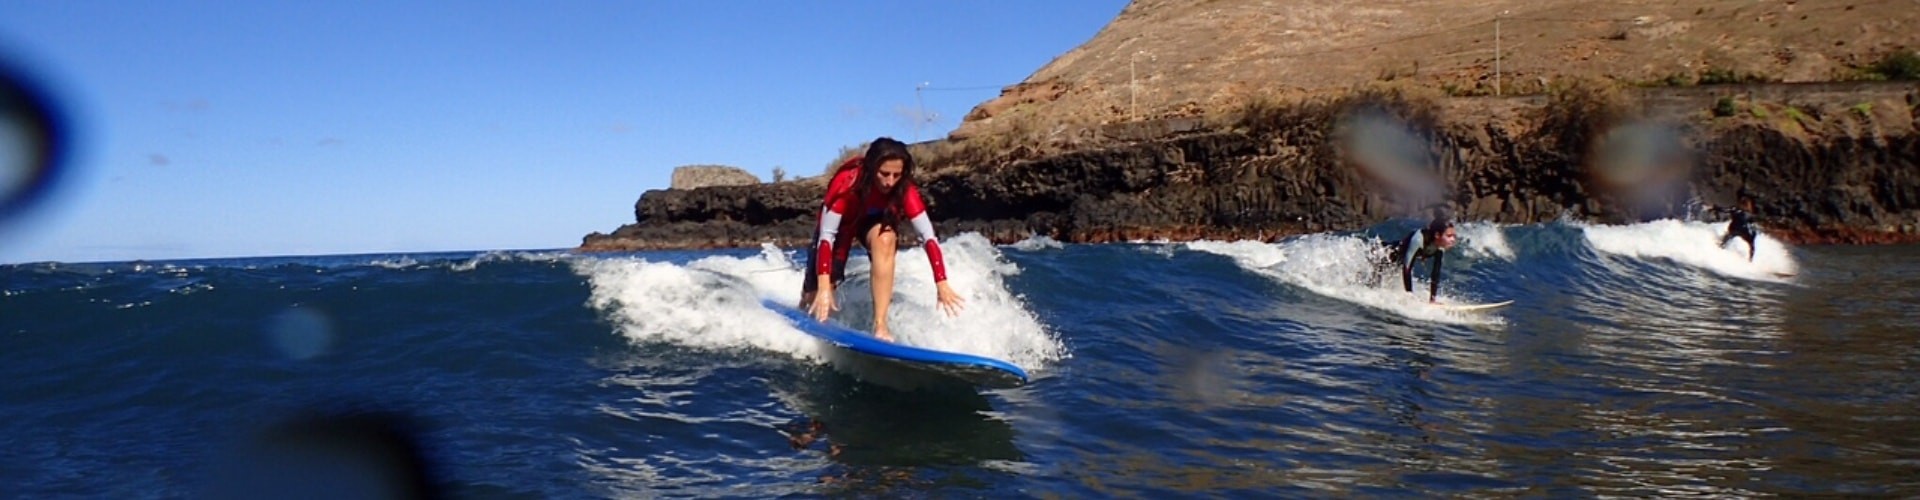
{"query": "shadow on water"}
[(858, 423), (884, 440)]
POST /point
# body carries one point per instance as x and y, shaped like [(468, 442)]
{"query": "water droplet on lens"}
[(32, 142), (1200, 376), (301, 333)]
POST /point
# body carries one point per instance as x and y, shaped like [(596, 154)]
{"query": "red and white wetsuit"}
[(843, 211)]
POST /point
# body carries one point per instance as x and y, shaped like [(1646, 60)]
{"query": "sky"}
[(210, 129)]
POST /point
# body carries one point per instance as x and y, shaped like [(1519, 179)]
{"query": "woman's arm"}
[(916, 210)]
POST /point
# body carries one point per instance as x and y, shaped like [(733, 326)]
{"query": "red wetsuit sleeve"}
[(823, 258), (840, 196), (837, 203), (917, 213), (938, 261), (914, 205)]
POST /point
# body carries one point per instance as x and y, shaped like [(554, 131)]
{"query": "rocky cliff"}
[(1263, 118), (1822, 162)]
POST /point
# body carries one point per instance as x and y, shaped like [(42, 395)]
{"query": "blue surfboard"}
[(979, 371)]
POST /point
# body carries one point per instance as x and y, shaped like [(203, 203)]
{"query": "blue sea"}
[(1638, 360)]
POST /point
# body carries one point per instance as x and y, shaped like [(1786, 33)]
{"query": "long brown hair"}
[(1441, 221), (883, 149)]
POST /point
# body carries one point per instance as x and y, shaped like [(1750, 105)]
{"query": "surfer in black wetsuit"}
[(1431, 241), (1740, 225)]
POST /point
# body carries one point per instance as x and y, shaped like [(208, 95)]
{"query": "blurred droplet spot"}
[(1638, 156), (32, 142), (1391, 153), (1200, 376), (1645, 165), (301, 333)]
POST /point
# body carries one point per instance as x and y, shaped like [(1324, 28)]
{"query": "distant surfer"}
[(868, 197), (1740, 225), (1432, 242)]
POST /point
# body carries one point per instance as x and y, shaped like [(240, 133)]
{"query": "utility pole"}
[(1496, 51), (921, 118), (1133, 86)]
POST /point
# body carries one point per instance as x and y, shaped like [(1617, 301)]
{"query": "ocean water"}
[(1639, 360)]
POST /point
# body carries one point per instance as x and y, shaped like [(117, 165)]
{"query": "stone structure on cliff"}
[(699, 176)]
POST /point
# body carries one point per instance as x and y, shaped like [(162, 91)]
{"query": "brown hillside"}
[(1190, 57)]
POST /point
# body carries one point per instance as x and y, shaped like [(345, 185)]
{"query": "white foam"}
[(1341, 267), (1162, 248), (1249, 254), (665, 302), (507, 256), (456, 264), (995, 323), (714, 302), (1036, 243), (1695, 244), (401, 262), (1483, 239)]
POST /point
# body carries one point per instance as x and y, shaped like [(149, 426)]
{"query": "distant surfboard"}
[(979, 371), (1473, 307)]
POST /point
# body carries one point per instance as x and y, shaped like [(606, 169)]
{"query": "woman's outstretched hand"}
[(949, 301), (823, 303)]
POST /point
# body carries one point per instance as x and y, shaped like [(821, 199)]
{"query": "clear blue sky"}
[(243, 128)]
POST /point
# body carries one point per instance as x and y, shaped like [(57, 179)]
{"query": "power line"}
[(958, 89)]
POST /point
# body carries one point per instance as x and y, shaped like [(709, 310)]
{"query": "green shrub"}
[(1714, 76), (1578, 110), (1900, 65), (1723, 107), (1865, 109), (1718, 75)]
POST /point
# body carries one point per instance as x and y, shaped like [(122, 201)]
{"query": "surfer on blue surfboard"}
[(867, 198), (1432, 242)]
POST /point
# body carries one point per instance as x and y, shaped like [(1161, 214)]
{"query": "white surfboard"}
[(1473, 307)]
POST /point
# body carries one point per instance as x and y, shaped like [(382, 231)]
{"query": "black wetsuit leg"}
[(1741, 225), (1433, 284), (1746, 233), (1406, 270)]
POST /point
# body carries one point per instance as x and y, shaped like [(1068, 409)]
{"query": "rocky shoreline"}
[(1824, 163)]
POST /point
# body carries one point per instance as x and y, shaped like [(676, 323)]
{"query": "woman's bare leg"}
[(880, 248)]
